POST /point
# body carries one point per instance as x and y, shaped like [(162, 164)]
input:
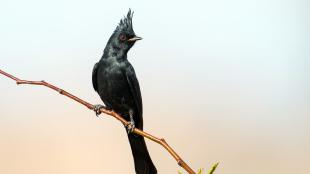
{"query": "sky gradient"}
[(221, 81)]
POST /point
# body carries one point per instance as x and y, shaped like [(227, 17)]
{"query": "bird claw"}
[(97, 109), (131, 124), (130, 127)]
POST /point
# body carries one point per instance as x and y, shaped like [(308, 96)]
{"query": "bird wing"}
[(94, 77), (135, 91)]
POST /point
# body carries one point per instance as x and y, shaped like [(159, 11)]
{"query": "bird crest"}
[(125, 24)]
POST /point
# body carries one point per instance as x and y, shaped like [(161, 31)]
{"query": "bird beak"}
[(134, 39)]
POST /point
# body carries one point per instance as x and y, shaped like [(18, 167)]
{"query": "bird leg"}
[(97, 109), (130, 127)]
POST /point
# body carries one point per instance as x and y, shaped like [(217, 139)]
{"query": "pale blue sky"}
[(235, 71)]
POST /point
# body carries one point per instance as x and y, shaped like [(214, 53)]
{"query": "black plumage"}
[(115, 81)]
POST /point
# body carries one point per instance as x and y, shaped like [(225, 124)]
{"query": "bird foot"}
[(130, 127), (97, 109)]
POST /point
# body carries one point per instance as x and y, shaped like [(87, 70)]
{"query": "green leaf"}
[(213, 168), (200, 171)]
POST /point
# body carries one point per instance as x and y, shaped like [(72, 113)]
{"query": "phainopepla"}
[(115, 81)]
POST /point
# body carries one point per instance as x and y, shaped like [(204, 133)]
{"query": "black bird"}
[(115, 81)]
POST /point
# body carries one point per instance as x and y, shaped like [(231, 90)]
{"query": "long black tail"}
[(142, 159)]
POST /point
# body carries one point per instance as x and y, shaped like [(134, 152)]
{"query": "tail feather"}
[(142, 159)]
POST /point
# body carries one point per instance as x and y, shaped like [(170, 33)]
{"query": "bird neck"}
[(112, 51)]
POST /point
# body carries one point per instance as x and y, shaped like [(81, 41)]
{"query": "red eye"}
[(122, 37)]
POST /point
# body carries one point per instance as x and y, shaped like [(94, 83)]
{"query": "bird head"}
[(124, 37)]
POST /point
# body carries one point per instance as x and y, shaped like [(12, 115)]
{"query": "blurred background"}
[(222, 81)]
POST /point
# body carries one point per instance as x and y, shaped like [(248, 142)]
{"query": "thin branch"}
[(160, 141)]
